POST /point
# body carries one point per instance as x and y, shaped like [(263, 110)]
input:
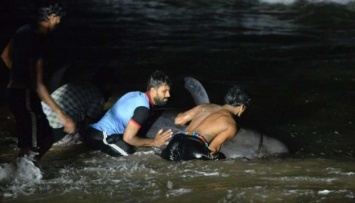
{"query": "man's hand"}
[(162, 137), (68, 123), (217, 156)]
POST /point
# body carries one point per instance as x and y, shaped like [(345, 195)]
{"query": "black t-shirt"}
[(140, 115), (28, 45)]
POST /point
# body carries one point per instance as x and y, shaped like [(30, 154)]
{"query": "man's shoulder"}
[(221, 116), (134, 93), (83, 87), (206, 109), (26, 31), (132, 99), (209, 106), (135, 96), (75, 91), (25, 28)]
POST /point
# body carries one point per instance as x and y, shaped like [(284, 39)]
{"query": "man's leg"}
[(95, 139), (44, 135), (17, 101)]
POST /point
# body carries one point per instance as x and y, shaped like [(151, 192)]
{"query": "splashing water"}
[(23, 169), (302, 52), (310, 1)]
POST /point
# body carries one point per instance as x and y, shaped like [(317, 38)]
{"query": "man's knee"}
[(117, 144)]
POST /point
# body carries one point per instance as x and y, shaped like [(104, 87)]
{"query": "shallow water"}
[(145, 177), (295, 57)]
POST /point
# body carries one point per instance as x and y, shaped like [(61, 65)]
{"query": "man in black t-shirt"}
[(24, 56)]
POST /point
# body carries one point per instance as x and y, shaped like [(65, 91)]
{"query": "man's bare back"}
[(214, 122), (206, 116)]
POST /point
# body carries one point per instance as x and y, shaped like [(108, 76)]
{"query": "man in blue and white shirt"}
[(116, 132)]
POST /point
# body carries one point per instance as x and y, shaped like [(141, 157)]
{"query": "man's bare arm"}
[(222, 137), (44, 95), (183, 118), (6, 55), (130, 136)]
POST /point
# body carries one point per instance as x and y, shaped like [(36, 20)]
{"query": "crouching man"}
[(210, 126)]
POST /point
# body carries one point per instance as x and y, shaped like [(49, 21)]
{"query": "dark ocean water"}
[(295, 57)]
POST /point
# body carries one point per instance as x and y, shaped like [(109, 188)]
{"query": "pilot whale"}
[(247, 143)]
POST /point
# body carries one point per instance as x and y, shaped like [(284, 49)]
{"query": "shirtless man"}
[(210, 124)]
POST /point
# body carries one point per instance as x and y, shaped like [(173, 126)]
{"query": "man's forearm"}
[(140, 142)]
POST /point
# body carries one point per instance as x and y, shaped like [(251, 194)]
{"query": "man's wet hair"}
[(237, 96), (47, 8), (157, 79)]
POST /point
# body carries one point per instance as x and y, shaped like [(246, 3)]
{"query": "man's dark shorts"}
[(94, 139), (31, 123), (183, 147)]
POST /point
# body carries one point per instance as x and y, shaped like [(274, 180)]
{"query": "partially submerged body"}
[(215, 123), (211, 125)]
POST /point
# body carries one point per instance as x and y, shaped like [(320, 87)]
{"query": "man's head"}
[(237, 97), (50, 13), (158, 86)]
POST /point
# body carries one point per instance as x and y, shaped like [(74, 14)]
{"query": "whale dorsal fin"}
[(197, 91)]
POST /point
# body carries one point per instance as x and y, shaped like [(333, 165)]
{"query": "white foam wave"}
[(324, 192), (178, 192), (6, 171), (287, 2), (23, 169), (279, 1), (208, 174), (303, 179), (26, 170), (339, 172)]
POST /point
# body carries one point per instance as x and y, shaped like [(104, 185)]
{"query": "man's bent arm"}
[(6, 55), (130, 136), (221, 138), (183, 118), (44, 95)]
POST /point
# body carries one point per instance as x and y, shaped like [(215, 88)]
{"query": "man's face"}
[(241, 110), (161, 95), (53, 21)]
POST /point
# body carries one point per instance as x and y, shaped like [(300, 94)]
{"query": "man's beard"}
[(160, 102)]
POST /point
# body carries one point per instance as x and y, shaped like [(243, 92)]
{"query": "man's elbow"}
[(179, 122), (129, 140), (39, 87), (126, 139), (7, 61)]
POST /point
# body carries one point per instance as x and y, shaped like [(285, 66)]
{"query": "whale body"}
[(247, 143)]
